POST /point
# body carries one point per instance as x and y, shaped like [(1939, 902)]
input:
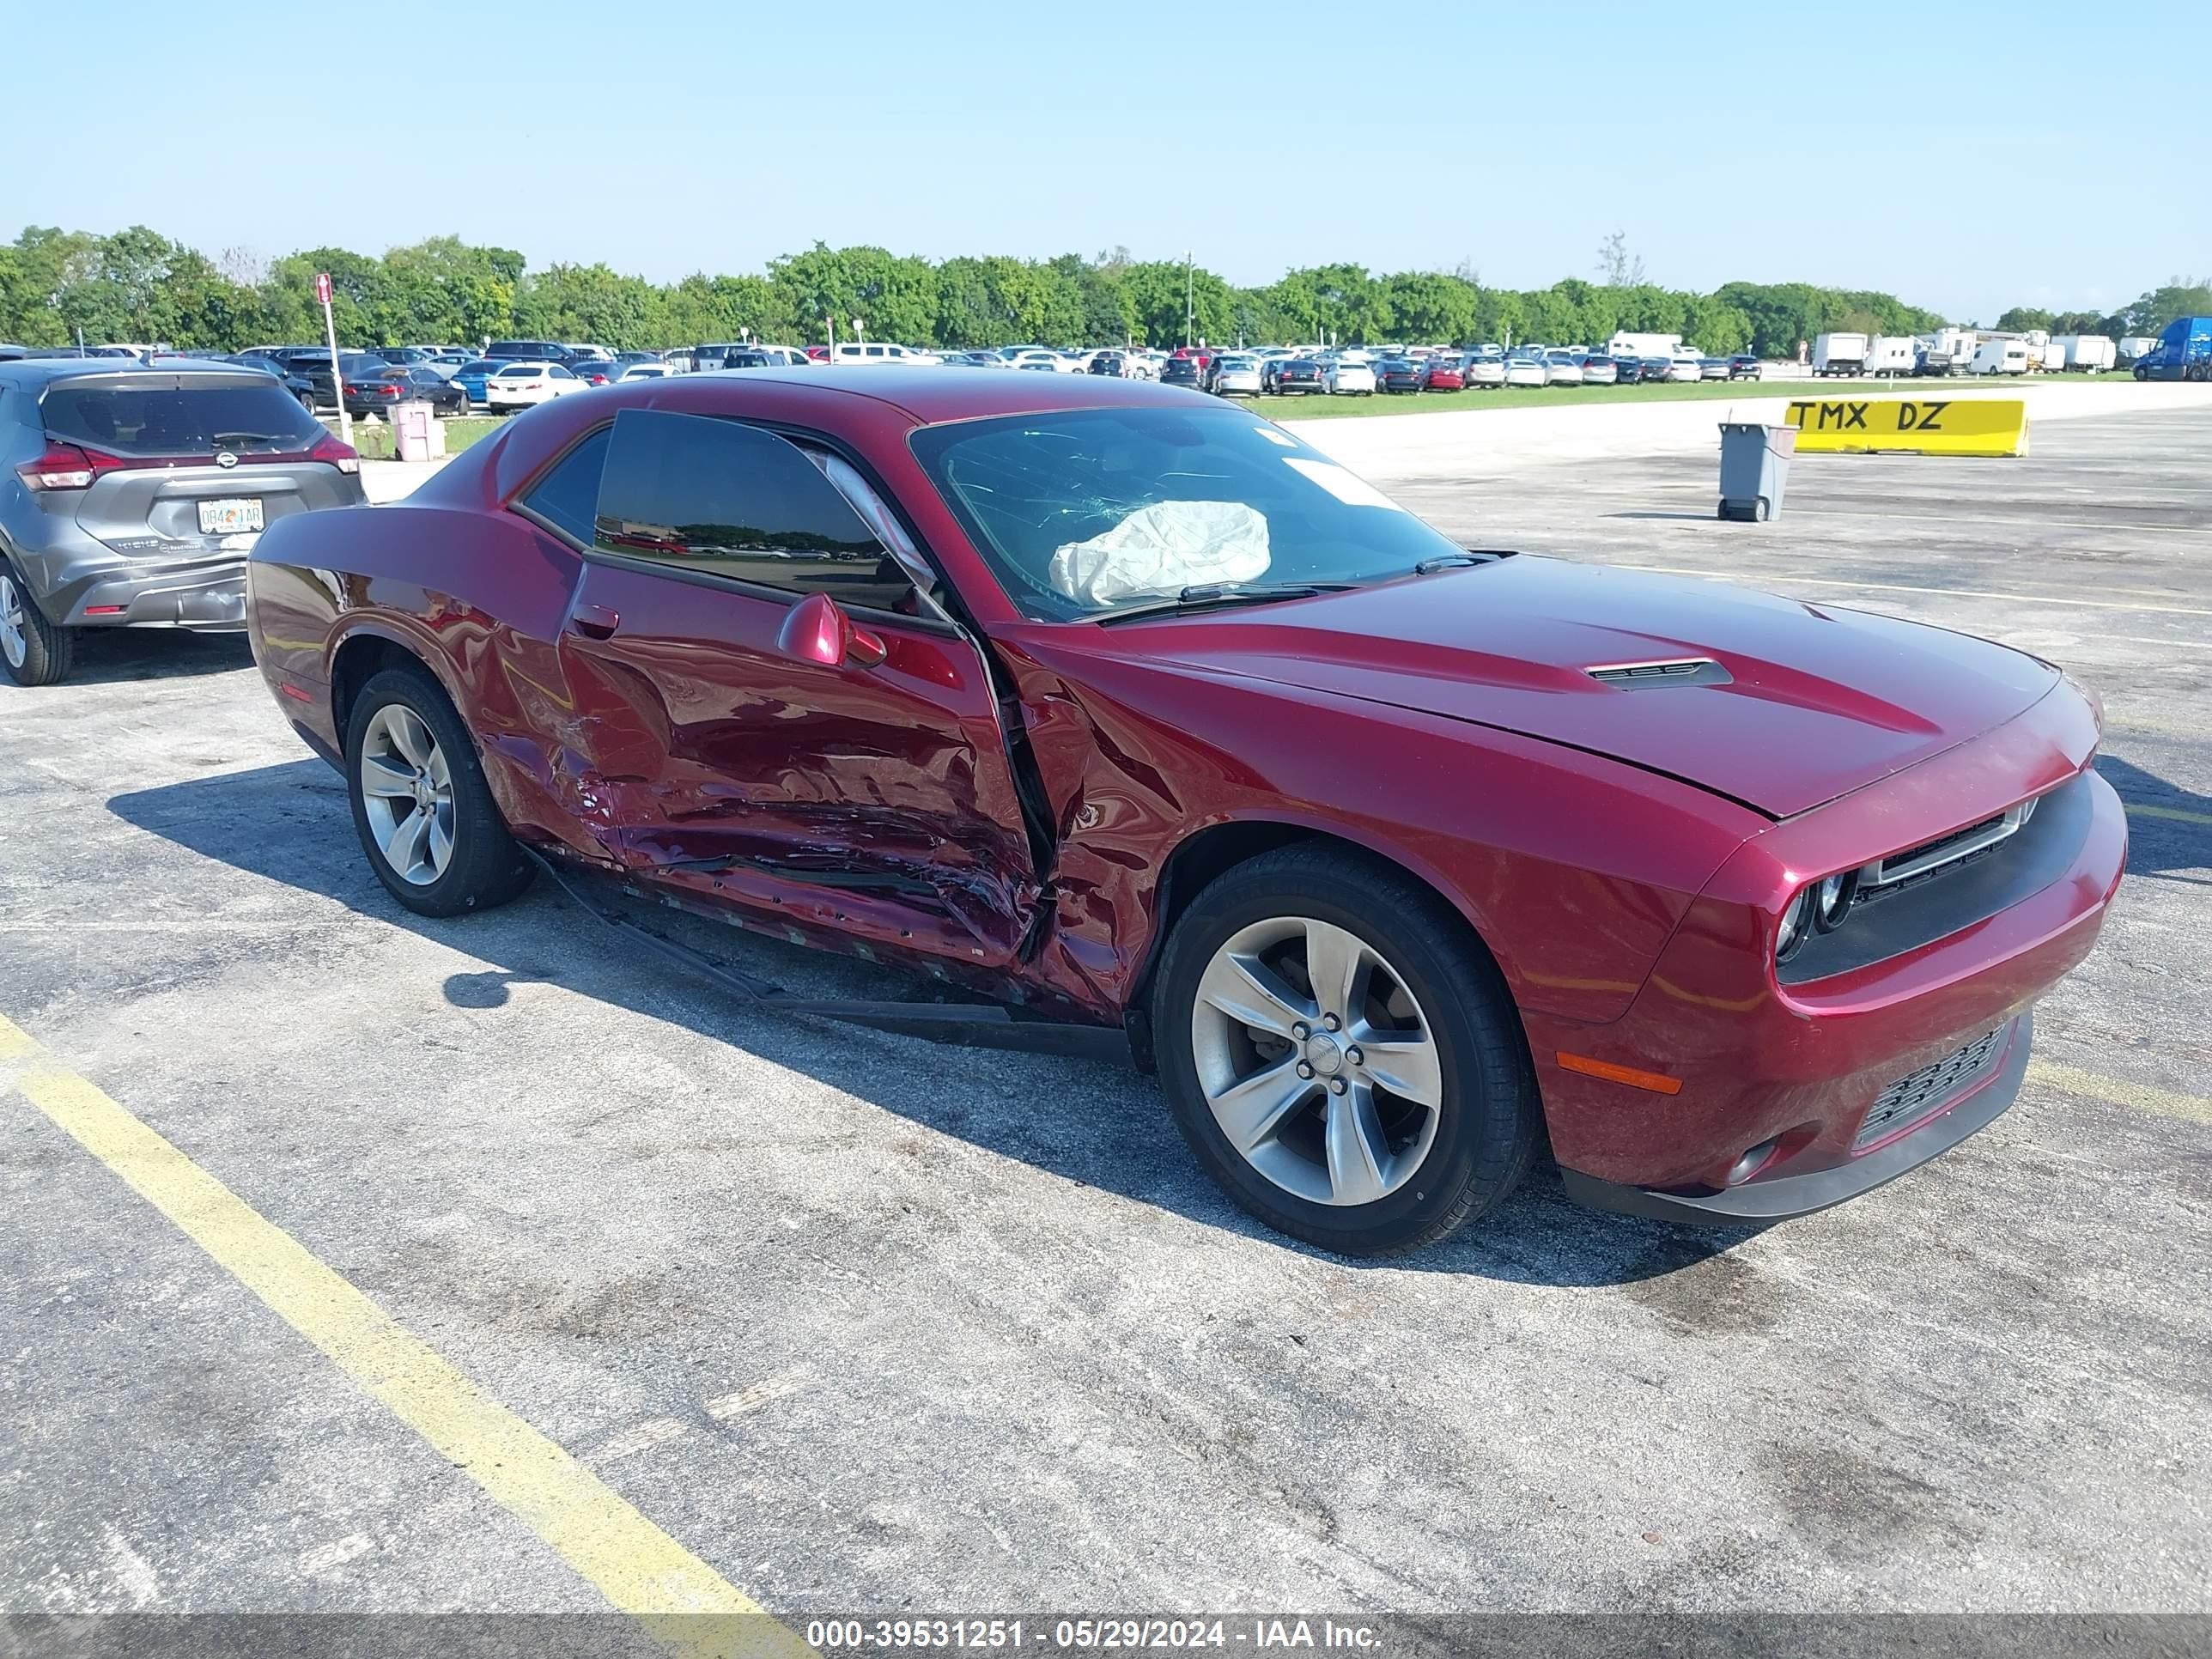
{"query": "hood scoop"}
[(1667, 671)]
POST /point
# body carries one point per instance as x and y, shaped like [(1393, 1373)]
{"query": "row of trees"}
[(2181, 296), (139, 285)]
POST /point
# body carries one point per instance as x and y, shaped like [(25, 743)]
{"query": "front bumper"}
[(1746, 1056), (1784, 1197)]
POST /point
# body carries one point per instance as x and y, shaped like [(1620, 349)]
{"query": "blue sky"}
[(1768, 142)]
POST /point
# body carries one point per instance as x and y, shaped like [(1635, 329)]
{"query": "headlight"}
[(1791, 934)]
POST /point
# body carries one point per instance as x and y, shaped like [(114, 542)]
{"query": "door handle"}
[(595, 621)]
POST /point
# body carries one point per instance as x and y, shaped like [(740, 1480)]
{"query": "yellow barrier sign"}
[(1912, 426)]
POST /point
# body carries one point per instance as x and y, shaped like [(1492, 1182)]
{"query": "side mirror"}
[(817, 630)]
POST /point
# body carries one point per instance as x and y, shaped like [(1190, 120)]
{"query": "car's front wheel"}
[(425, 815), (34, 651), (1341, 1054)]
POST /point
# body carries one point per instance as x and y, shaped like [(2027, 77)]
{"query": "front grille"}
[(1910, 1098)]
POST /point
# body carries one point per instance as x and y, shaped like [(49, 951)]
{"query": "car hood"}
[(1807, 702)]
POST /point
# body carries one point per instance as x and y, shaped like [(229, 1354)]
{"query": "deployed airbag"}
[(1164, 548)]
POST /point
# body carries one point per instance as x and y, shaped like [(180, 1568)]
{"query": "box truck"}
[(2088, 353), (2184, 352), (1839, 354)]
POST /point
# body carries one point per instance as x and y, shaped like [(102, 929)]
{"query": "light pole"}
[(860, 331), (1189, 305)]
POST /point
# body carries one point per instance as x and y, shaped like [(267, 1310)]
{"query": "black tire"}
[(48, 649), (307, 402), (1487, 1125), (487, 867)]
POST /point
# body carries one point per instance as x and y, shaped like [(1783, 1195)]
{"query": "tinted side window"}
[(567, 495), (701, 494)]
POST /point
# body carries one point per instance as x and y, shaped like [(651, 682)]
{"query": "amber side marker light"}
[(1657, 1082)]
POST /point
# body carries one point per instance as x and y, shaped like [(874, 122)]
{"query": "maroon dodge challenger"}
[(1137, 714)]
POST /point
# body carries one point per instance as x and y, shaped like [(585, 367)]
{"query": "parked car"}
[(1483, 371), (380, 392), (860, 353), (302, 388), (1294, 377), (626, 373), (1599, 369), (529, 351), (1445, 375), (1657, 370), (1744, 365), (519, 385), (1399, 374), (1526, 369), (1684, 366), (1236, 376), (1808, 930), (1713, 368), (1350, 377), (471, 376), (1562, 367), (1113, 363), (128, 495), (1182, 371), (400, 356), (600, 371), (353, 365)]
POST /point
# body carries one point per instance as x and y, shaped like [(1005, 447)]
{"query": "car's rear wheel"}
[(1341, 1054), (34, 651), (421, 806)]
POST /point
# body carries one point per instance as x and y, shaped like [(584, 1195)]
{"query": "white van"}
[(2000, 357), (879, 351)]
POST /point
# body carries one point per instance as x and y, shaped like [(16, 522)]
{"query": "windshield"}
[(1086, 512)]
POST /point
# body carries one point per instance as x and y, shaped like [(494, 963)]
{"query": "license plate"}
[(230, 517)]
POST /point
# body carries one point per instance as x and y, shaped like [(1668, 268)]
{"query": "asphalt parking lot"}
[(864, 1323)]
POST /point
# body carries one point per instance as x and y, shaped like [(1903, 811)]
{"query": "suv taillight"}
[(66, 466), (342, 456)]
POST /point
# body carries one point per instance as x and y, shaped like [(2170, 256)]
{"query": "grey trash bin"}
[(1754, 468)]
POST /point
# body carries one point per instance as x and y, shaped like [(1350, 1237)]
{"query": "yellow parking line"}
[(2115, 1092), (2181, 814), (1753, 578), (678, 1598), (2006, 524)]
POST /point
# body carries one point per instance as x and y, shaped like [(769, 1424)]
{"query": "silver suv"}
[(129, 496)]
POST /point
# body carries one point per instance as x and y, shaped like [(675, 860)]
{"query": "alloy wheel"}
[(1317, 1062), (15, 643), (407, 790)]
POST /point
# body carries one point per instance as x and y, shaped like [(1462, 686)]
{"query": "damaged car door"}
[(774, 712)]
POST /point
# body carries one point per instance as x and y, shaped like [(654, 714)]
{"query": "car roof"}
[(928, 395), (32, 374)]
